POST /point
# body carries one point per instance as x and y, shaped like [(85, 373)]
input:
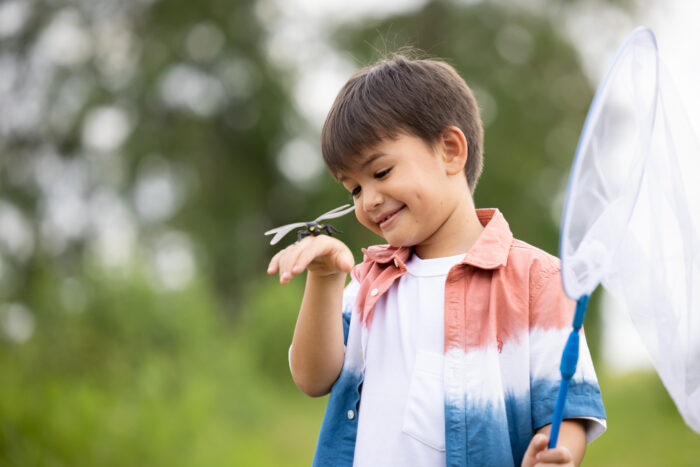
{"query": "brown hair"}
[(400, 95)]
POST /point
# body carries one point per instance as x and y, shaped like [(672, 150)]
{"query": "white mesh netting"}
[(632, 215)]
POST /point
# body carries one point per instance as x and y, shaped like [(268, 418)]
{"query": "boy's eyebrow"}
[(371, 158)]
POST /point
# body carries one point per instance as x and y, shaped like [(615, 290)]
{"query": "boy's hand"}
[(537, 454), (321, 255)]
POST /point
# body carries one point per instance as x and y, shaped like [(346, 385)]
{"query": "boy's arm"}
[(571, 446), (317, 352)]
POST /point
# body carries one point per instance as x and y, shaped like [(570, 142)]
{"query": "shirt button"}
[(374, 292), (351, 414)]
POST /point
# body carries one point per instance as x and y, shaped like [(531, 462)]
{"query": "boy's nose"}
[(371, 199)]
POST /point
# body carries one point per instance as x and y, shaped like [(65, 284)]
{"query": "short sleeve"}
[(551, 317)]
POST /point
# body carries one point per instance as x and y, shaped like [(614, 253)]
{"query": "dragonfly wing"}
[(337, 212), (282, 231), (332, 211)]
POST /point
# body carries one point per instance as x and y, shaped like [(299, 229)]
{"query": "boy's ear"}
[(454, 150)]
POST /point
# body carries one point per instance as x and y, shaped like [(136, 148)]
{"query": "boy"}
[(444, 348)]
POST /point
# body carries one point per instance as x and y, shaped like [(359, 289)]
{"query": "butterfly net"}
[(632, 214)]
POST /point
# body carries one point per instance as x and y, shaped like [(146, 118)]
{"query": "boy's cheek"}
[(367, 222)]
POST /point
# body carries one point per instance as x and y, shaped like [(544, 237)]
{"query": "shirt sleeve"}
[(552, 318)]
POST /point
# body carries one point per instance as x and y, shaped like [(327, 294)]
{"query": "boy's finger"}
[(274, 262), (290, 258), (558, 455)]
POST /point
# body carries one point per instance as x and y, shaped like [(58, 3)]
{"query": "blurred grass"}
[(644, 426), (148, 378)]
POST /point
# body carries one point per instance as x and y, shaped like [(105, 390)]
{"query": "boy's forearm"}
[(572, 434), (317, 351)]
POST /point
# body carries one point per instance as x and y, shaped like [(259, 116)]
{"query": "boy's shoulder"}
[(522, 253)]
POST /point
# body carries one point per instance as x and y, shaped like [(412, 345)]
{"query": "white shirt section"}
[(402, 409)]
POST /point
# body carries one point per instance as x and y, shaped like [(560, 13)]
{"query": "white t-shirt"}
[(402, 412)]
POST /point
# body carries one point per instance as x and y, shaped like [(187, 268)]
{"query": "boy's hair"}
[(400, 95)]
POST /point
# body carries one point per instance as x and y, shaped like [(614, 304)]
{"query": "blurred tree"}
[(137, 131)]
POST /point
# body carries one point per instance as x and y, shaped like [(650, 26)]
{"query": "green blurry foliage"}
[(644, 427), (143, 377), (267, 325)]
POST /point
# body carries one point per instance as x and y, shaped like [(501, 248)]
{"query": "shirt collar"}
[(489, 252), (493, 245)]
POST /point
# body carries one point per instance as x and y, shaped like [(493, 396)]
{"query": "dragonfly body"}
[(311, 228), (314, 228)]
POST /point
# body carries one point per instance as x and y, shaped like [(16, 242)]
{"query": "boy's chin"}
[(398, 243)]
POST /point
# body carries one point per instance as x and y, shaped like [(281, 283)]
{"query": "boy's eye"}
[(382, 173), (355, 191)]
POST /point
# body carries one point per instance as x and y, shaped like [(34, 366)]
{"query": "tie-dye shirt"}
[(506, 322)]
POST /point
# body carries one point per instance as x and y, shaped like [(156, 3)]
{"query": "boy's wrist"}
[(330, 277)]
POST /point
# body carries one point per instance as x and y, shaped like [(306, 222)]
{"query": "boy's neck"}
[(456, 235)]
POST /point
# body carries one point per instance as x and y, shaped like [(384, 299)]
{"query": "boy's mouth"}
[(386, 219)]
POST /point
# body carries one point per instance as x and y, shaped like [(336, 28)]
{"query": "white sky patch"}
[(173, 260), (16, 234), (156, 195), (184, 86), (62, 207), (106, 128), (63, 219), (315, 93), (17, 322), (66, 41), (113, 228), (299, 161), (345, 11), (13, 16), (117, 53)]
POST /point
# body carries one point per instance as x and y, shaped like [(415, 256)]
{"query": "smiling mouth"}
[(387, 220)]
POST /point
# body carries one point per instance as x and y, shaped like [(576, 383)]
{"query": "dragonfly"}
[(311, 228)]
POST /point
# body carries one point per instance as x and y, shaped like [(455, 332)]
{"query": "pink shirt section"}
[(501, 299)]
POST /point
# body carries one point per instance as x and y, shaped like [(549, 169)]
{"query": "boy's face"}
[(400, 190)]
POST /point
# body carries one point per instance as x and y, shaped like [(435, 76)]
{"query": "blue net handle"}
[(569, 359)]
